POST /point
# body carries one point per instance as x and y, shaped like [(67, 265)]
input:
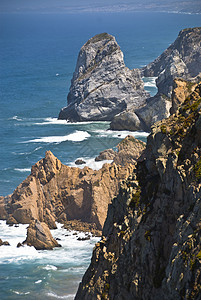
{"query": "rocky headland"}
[(102, 86), (54, 192), (151, 243)]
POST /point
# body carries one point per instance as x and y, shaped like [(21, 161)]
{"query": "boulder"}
[(39, 236), (4, 243), (80, 162), (102, 86)]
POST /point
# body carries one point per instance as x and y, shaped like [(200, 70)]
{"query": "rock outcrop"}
[(151, 243), (56, 192), (39, 236), (129, 150), (102, 86), (181, 60)]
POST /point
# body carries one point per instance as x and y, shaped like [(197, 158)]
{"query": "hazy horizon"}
[(72, 6)]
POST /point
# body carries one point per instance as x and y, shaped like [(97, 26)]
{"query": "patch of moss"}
[(199, 255), (98, 37), (163, 129), (135, 201), (197, 169), (147, 235)]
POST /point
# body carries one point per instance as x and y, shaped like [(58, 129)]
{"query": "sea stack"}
[(102, 86)]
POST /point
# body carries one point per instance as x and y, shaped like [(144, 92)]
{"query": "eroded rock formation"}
[(102, 86), (56, 192), (151, 244)]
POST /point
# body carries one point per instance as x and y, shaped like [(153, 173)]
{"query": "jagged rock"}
[(78, 225), (4, 243), (181, 59), (102, 86), (108, 154), (181, 90), (129, 151), (19, 245), (80, 162), (39, 236), (11, 220), (150, 248), (56, 192)]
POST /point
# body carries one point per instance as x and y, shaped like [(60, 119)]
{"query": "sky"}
[(45, 6)]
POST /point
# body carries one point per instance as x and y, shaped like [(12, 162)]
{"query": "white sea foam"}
[(54, 295), (120, 134), (76, 136), (23, 170), (149, 81), (55, 121), (91, 163), (15, 118), (49, 121), (50, 267), (38, 281), (21, 293)]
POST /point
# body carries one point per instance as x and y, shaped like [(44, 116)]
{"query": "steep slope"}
[(151, 244), (102, 86)]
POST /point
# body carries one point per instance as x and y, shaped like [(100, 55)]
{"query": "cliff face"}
[(181, 59), (151, 244), (102, 86), (56, 192)]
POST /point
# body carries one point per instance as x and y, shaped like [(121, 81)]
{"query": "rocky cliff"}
[(181, 60), (56, 192), (102, 86), (151, 243)]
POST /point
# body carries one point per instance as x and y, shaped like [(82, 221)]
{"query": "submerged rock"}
[(102, 86), (39, 236)]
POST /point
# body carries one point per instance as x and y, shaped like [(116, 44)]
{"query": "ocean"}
[(38, 54)]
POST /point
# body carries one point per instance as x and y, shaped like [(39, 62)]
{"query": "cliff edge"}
[(151, 243)]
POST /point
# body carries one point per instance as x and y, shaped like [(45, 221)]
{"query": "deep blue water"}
[(37, 58)]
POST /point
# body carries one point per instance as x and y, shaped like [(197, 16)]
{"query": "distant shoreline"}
[(102, 11)]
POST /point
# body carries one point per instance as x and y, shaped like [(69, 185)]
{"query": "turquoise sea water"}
[(38, 55)]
